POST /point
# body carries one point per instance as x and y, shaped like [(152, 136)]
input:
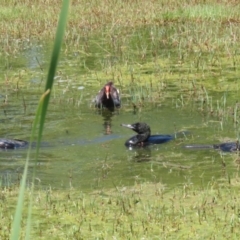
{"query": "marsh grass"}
[(143, 210), (118, 20)]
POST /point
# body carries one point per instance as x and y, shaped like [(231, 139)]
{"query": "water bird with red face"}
[(108, 97)]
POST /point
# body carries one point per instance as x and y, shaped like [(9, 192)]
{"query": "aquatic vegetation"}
[(118, 24), (147, 210)]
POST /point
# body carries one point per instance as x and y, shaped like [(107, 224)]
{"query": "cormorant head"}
[(143, 131), (139, 127)]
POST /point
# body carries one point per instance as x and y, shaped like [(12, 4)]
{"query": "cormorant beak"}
[(128, 126)]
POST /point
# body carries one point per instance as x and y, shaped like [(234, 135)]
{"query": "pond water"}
[(84, 148)]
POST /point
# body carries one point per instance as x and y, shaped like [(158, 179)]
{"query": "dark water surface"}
[(85, 148)]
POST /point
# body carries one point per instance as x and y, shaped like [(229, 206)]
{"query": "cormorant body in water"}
[(144, 137), (225, 147), (108, 97), (12, 143)]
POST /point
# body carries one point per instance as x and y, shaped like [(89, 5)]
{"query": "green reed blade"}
[(15, 231), (40, 118), (54, 60)]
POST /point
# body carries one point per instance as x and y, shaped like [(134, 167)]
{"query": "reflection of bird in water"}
[(12, 143), (142, 155), (107, 127), (108, 97), (144, 137), (107, 122)]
